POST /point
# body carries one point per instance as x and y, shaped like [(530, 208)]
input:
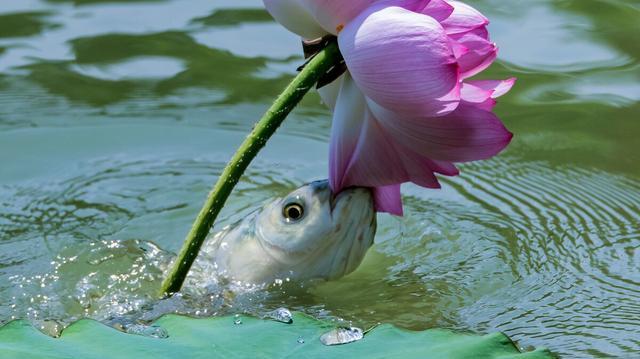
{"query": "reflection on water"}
[(116, 117), (233, 17), (22, 24)]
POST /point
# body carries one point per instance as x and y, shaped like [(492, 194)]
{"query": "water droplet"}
[(237, 320), (300, 340), (342, 336), (151, 331), (282, 315)]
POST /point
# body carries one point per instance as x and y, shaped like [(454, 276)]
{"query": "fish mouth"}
[(347, 193), (322, 189), (332, 201)]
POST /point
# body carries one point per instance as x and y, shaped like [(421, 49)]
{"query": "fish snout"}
[(359, 199)]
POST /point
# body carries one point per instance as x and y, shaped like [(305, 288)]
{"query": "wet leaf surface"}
[(205, 338)]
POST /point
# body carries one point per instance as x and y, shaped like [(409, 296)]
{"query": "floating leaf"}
[(220, 338)]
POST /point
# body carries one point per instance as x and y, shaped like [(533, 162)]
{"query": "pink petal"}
[(290, 14), (378, 160), (388, 199), (333, 15), (479, 31), (402, 60), (479, 97), (412, 5), (463, 19), (480, 52), (346, 131), (363, 154), (475, 62), (482, 94), (418, 168), (497, 87), (348, 120), (459, 50), (445, 168), (475, 94), (438, 9), (374, 161), (467, 134)]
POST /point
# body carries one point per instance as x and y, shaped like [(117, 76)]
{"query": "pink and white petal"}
[(474, 62), (333, 15), (329, 93), (294, 17), (475, 94), (469, 133), (482, 93), (458, 49), (378, 160), (374, 161), (438, 9), (348, 120), (420, 171), (388, 199), (463, 19), (497, 87), (387, 196), (480, 53), (412, 5), (476, 38), (488, 105), (479, 97), (418, 168), (402, 60), (480, 31)]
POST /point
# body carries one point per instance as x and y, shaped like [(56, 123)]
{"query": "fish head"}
[(315, 234)]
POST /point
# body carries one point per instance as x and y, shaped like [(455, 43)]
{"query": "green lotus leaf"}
[(254, 338)]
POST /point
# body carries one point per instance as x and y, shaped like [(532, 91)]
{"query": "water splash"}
[(151, 331), (282, 315), (342, 335)]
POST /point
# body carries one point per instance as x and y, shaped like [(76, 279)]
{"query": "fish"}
[(311, 233)]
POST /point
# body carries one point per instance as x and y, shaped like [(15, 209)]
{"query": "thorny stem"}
[(322, 63)]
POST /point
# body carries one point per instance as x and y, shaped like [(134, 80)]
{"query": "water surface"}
[(116, 118)]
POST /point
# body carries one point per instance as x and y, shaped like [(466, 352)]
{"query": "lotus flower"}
[(405, 109)]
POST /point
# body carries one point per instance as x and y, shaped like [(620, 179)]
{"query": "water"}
[(116, 118)]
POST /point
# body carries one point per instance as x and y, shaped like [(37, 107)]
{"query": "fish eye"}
[(293, 212)]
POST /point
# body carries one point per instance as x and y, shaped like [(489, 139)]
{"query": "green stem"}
[(319, 65)]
